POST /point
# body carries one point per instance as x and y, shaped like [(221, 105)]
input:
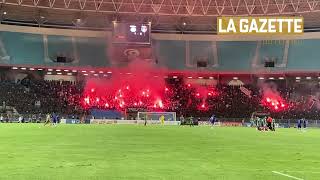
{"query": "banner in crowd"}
[(245, 91)]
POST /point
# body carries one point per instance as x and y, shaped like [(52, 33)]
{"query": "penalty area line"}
[(287, 175)]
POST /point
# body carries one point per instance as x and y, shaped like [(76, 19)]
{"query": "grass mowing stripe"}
[(287, 175)]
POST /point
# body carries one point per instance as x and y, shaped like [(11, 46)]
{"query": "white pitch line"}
[(287, 175)]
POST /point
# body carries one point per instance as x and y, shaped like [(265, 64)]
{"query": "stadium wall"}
[(35, 46)]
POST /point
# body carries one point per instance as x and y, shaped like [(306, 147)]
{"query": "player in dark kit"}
[(212, 119), (55, 119), (299, 124), (273, 125), (304, 124)]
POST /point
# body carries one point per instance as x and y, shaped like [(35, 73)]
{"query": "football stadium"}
[(159, 89)]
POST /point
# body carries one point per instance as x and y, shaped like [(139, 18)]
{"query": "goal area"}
[(155, 116)]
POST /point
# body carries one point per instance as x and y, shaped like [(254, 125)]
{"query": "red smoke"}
[(133, 86), (271, 98), (275, 103)]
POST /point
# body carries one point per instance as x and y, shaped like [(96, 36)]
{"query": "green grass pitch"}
[(133, 152)]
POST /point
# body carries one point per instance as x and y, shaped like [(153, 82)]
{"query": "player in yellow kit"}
[(161, 119), (48, 120)]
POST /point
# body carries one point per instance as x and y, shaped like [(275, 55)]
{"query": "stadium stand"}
[(65, 98), (85, 53), (19, 48)]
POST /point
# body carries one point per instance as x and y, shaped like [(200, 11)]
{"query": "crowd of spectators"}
[(302, 100), (222, 100), (38, 97)]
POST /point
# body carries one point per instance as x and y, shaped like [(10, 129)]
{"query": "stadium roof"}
[(165, 15)]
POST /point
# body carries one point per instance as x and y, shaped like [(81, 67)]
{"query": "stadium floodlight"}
[(40, 69), (41, 17), (211, 77), (183, 22), (14, 68), (79, 19), (308, 78), (96, 75), (92, 71), (49, 72), (101, 72), (190, 77), (50, 69), (31, 69), (84, 71), (74, 71), (58, 70), (200, 77), (66, 70), (85, 74), (59, 73), (298, 77), (3, 14), (235, 78), (261, 78), (271, 78), (109, 72), (23, 68), (70, 74), (174, 77), (281, 78)]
